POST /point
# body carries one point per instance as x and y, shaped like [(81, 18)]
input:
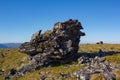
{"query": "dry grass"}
[(97, 77), (53, 72), (96, 47), (113, 58), (117, 72), (14, 59)]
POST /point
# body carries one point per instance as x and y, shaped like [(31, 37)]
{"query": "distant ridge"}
[(10, 45)]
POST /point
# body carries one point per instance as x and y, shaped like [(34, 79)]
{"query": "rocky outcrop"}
[(62, 40), (95, 65), (58, 45)]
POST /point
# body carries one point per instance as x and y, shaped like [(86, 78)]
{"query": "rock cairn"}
[(58, 45)]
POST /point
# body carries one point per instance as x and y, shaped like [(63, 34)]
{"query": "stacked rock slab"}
[(61, 41), (58, 45)]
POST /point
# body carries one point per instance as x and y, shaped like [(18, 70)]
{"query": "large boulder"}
[(58, 45), (62, 40)]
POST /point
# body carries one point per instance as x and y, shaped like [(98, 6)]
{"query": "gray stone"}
[(2, 55), (58, 45), (34, 36), (1, 72), (95, 65)]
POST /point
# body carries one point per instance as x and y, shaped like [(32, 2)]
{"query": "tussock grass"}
[(97, 77), (113, 58), (96, 47), (117, 72), (14, 59)]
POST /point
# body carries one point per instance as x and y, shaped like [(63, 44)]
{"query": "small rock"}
[(2, 55)]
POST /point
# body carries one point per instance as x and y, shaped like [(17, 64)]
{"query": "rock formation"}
[(95, 65), (63, 39), (58, 45)]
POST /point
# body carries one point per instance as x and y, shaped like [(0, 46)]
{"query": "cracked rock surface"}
[(58, 45)]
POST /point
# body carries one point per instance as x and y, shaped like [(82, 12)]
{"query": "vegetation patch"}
[(14, 59)]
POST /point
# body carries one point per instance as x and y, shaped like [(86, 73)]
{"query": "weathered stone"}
[(59, 45), (34, 36), (2, 55), (64, 38), (95, 65), (1, 72)]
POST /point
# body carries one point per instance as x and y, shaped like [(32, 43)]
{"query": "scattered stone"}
[(63, 76), (95, 65), (43, 78), (1, 72), (116, 66), (2, 55), (101, 42)]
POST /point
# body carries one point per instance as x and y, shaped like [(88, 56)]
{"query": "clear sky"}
[(19, 19)]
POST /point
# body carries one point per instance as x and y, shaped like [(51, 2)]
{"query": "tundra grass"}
[(14, 59)]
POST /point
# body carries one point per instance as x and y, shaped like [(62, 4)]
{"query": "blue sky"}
[(19, 19)]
